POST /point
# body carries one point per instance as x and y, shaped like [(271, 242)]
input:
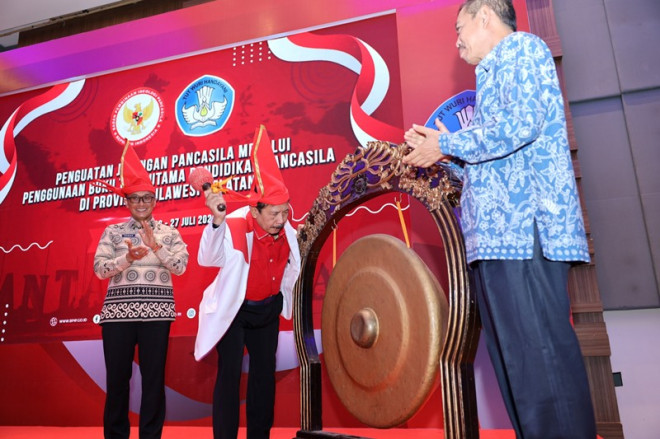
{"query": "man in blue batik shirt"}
[(521, 220)]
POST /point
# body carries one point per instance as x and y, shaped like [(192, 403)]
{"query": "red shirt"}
[(270, 255)]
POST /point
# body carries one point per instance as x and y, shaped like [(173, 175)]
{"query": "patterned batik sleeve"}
[(510, 111), (108, 261), (174, 253)]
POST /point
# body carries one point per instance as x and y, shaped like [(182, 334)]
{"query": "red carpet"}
[(205, 433)]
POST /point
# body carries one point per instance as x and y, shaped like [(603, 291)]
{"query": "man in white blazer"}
[(257, 252)]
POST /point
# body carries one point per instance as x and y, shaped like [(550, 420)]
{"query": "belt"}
[(265, 301)]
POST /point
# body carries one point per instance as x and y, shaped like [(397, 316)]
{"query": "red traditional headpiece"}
[(133, 177), (268, 186)]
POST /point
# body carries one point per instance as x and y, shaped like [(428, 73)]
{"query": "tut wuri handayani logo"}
[(456, 112), (204, 106)]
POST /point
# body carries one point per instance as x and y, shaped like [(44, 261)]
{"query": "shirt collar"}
[(259, 232), (489, 60), (133, 224)]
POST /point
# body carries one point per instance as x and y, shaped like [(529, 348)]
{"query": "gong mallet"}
[(201, 180)]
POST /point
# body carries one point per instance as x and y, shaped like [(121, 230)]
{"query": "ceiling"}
[(18, 16), (21, 15)]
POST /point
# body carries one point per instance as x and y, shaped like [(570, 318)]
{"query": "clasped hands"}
[(424, 143), (139, 252)]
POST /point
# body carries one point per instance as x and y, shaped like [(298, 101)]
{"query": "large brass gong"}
[(383, 324)]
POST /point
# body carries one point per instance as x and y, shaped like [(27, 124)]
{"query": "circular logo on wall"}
[(456, 112), (204, 106), (137, 116)]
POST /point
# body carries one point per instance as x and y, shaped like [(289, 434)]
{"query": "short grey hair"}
[(503, 9)]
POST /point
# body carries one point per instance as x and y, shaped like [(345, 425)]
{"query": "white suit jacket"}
[(224, 296)]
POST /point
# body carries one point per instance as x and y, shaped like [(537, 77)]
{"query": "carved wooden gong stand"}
[(367, 173)]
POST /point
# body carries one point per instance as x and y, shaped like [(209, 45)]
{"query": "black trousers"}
[(255, 327), (119, 342), (525, 312)]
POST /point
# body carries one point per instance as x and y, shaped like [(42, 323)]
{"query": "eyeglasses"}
[(146, 199)]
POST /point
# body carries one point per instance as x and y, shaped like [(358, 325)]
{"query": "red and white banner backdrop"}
[(320, 94)]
